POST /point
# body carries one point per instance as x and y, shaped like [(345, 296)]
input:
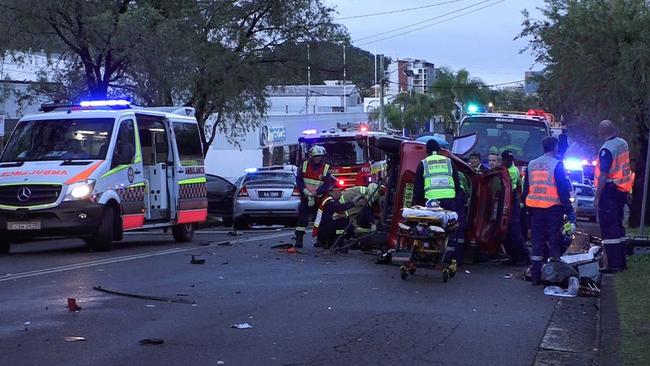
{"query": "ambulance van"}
[(99, 168)]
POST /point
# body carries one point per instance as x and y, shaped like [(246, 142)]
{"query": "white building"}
[(292, 109), (410, 75)]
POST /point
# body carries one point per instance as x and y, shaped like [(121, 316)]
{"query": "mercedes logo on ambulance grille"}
[(23, 194)]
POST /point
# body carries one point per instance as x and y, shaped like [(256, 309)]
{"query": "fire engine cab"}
[(350, 153)]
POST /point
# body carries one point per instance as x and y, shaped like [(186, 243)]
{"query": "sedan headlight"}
[(81, 190)]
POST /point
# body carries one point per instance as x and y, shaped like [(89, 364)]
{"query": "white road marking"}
[(101, 262)]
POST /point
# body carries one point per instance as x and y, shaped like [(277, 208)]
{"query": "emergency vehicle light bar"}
[(105, 103)]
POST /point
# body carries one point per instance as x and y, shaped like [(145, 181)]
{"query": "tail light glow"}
[(243, 192)]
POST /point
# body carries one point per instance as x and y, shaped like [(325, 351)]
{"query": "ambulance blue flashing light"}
[(572, 164), (105, 103), (472, 108), (309, 132), (250, 170)]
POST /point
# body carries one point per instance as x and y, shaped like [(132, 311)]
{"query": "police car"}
[(99, 168)]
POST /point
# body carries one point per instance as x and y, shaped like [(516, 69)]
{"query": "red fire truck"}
[(352, 159)]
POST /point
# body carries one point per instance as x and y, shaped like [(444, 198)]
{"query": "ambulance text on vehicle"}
[(99, 168)]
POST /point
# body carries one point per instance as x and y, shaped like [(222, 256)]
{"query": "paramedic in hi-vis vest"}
[(313, 181), (613, 183), (332, 218), (515, 244), (436, 178), (547, 193)]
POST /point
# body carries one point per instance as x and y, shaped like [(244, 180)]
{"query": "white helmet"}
[(317, 150)]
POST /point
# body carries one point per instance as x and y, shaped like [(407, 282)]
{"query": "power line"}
[(397, 11), (432, 24), (422, 21), (467, 86)]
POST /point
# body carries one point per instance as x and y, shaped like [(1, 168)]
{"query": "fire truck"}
[(350, 153)]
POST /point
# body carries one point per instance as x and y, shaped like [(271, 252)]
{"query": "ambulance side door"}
[(189, 182), (125, 174)]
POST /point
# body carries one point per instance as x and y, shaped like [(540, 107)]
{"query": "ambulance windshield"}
[(64, 139), (341, 151)]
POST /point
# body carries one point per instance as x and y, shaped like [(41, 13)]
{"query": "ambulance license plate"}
[(24, 225)]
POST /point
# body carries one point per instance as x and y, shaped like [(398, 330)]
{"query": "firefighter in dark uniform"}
[(436, 178), (331, 218), (313, 181), (515, 244), (547, 194), (613, 183)]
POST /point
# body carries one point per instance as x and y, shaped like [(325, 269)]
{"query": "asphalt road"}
[(312, 308)]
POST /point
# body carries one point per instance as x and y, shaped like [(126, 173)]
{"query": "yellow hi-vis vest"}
[(438, 178)]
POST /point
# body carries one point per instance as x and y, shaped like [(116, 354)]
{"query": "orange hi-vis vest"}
[(619, 173), (542, 188), (314, 178)]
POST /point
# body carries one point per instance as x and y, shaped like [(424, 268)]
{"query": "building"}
[(410, 76), (531, 81), (292, 109)]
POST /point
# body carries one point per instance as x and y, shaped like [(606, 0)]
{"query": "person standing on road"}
[(331, 218), (313, 181), (547, 194), (476, 163), (436, 179), (515, 244), (613, 183), (493, 160)]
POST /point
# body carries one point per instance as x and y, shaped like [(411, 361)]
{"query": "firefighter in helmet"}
[(313, 181)]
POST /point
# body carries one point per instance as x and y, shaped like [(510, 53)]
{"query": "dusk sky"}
[(480, 40)]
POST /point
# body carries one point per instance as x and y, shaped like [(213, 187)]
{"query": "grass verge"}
[(633, 290)]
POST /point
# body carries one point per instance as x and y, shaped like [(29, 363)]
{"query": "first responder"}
[(515, 244), (313, 181), (361, 217), (331, 219), (547, 195), (613, 182), (436, 179)]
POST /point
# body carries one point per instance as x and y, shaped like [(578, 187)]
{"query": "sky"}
[(480, 40)]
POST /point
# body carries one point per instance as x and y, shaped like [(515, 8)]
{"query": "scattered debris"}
[(329, 308), (291, 250), (224, 263), (220, 363), (571, 291), (242, 326), (197, 261), (557, 273), (150, 306), (154, 341), (508, 276), (74, 339), (145, 297), (182, 295), (467, 271), (27, 324), (72, 304), (225, 244), (235, 233), (282, 246)]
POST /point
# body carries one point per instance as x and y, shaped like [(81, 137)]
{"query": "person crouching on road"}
[(436, 179), (362, 217), (313, 181), (547, 193), (331, 218), (515, 244), (614, 181)]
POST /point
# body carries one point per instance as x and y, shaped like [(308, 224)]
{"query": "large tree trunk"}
[(639, 169)]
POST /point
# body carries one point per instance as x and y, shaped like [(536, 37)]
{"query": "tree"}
[(218, 56), (597, 54), (513, 100)]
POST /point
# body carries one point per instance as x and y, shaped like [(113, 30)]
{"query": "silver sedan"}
[(266, 196)]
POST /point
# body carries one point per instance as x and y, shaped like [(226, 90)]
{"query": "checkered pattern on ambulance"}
[(192, 190)]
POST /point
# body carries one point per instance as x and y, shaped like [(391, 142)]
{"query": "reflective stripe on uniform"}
[(613, 241), (536, 258), (542, 191), (438, 178), (301, 228), (339, 232)]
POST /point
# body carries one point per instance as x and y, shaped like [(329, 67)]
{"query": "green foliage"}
[(633, 297), (513, 100)]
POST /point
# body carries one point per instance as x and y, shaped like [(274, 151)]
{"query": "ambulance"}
[(97, 169)]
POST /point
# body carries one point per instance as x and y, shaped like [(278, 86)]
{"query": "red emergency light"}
[(536, 112)]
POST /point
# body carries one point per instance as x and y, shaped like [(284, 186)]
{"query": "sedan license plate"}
[(24, 225), (270, 194)]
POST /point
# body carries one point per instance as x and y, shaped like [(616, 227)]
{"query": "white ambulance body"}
[(100, 168)]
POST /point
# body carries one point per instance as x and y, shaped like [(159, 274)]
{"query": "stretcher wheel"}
[(452, 268), (445, 275)]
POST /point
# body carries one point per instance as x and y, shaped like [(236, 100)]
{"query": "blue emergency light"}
[(572, 164), (105, 103)]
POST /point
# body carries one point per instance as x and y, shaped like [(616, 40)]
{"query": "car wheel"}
[(241, 224), (183, 233), (5, 246), (227, 221), (103, 240)]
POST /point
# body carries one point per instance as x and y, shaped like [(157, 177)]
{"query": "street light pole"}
[(381, 92)]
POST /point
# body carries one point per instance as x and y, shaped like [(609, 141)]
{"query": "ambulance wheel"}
[(445, 275), (103, 240), (183, 233), (5, 246)]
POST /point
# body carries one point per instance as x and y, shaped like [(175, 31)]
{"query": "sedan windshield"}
[(64, 139), (584, 191)]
